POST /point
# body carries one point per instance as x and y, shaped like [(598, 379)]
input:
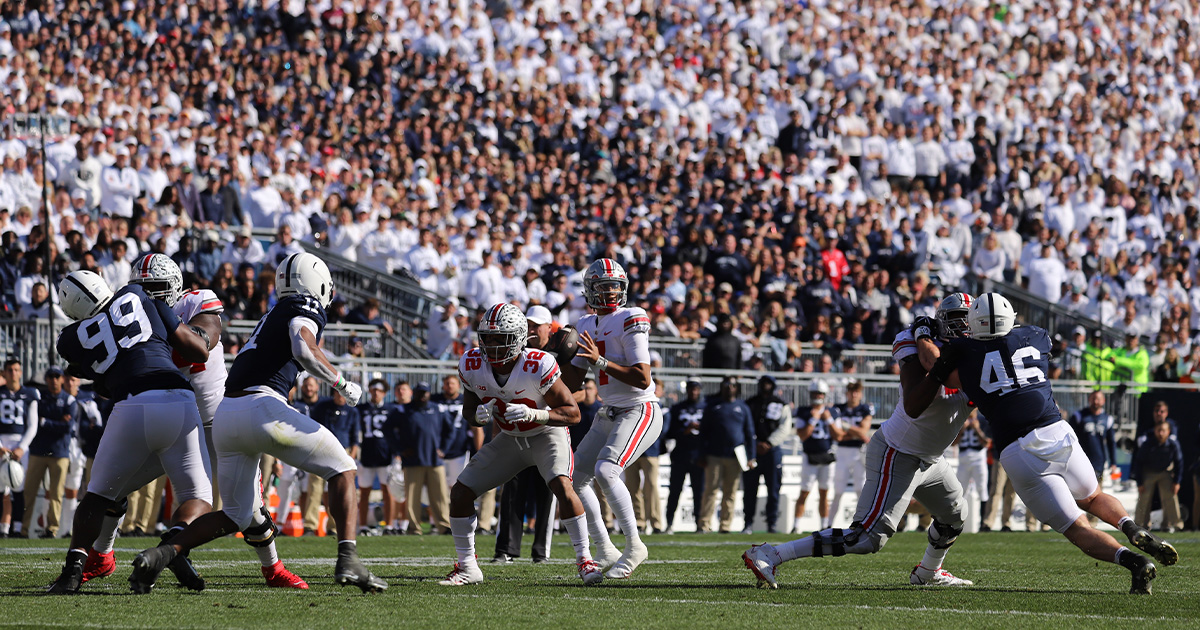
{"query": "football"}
[(12, 475), (564, 343)]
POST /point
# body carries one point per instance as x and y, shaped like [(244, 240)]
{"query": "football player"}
[(520, 390), (614, 342), (255, 418), (161, 279), (818, 432), (1003, 368), (124, 343), (374, 455), (854, 417), (904, 461), (18, 427)]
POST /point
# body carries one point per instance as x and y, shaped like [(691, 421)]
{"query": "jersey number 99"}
[(126, 312)]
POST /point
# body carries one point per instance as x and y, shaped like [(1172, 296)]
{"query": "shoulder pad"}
[(904, 346), (637, 321)]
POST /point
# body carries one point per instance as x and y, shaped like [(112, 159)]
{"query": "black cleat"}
[(186, 573), (1160, 549), (69, 581), (351, 572), (1143, 572), (148, 565)]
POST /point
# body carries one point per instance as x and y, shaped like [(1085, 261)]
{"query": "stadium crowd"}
[(817, 171)]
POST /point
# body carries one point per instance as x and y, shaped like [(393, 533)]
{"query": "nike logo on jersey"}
[(606, 332), (518, 392)]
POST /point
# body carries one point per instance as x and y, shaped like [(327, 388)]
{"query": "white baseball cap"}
[(539, 315)]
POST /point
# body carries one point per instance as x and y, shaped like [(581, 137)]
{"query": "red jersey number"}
[(499, 414), (473, 363), (532, 364), (602, 378)]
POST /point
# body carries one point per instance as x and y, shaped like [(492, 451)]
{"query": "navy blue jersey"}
[(458, 439), (341, 420), (1097, 436), (125, 347), (266, 359), (375, 450), (587, 415), (821, 440), (304, 407), (15, 409), (60, 417), (1005, 378), (849, 417), (970, 438), (90, 430), (684, 428)]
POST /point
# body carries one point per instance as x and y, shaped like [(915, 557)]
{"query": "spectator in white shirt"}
[(115, 268), (442, 331), (1046, 275), (929, 160), (379, 248), (283, 246), (244, 249), (265, 205), (345, 235), (485, 285), (990, 261), (120, 186)]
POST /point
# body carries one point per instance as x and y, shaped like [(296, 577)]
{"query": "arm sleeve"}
[(32, 420), (168, 316), (303, 354), (780, 435)]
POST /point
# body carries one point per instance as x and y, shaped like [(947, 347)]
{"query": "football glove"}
[(517, 412), (484, 413), (350, 390), (924, 328)]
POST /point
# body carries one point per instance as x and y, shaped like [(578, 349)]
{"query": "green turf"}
[(1035, 580)]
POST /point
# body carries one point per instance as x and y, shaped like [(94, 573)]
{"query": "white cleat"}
[(606, 556), (589, 572), (748, 531), (635, 555), (941, 577), (462, 576), (760, 559)]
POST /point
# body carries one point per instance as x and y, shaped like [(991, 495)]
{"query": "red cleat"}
[(279, 577), (99, 565)]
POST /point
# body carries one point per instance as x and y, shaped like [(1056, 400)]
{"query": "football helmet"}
[(503, 332), (159, 276), (605, 285), (12, 475), (82, 294), (991, 316), (952, 315), (818, 387), (304, 274)]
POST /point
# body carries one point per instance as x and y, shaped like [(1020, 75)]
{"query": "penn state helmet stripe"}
[(77, 283), (287, 275)]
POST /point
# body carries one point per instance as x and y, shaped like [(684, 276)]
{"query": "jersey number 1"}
[(995, 377), (602, 377)]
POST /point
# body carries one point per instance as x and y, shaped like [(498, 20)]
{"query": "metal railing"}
[(1035, 311), (29, 342), (688, 353)]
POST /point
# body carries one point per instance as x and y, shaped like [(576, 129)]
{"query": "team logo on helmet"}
[(503, 333), (605, 285)]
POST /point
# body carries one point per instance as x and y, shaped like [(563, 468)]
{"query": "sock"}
[(68, 516), (932, 561), (4, 528), (595, 519), (108, 534), (577, 529), (619, 500), (170, 533), (463, 529), (403, 524), (267, 555), (1128, 526), (1128, 559), (800, 548), (76, 557)]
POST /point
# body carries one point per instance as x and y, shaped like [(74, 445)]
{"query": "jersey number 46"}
[(995, 376)]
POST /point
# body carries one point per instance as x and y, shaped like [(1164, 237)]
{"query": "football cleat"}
[(351, 572), (69, 580), (99, 565), (278, 576), (462, 576), (502, 558), (589, 572), (760, 559), (147, 566), (1160, 549), (186, 573), (633, 556), (606, 556), (941, 577), (1143, 573)]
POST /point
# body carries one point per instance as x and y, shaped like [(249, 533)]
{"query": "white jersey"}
[(208, 378), (930, 434), (623, 338), (533, 375)]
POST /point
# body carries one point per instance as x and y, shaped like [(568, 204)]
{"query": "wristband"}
[(923, 332), (600, 364), (339, 383), (540, 416)]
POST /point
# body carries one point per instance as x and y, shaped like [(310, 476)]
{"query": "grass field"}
[(1034, 580)]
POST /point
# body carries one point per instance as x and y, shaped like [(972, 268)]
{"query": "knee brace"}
[(941, 536), (260, 534), (117, 510)]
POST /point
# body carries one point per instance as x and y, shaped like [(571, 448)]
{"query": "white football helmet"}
[(952, 315), (818, 387), (159, 276), (991, 316), (503, 333), (12, 475), (605, 285), (82, 294), (304, 274)]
